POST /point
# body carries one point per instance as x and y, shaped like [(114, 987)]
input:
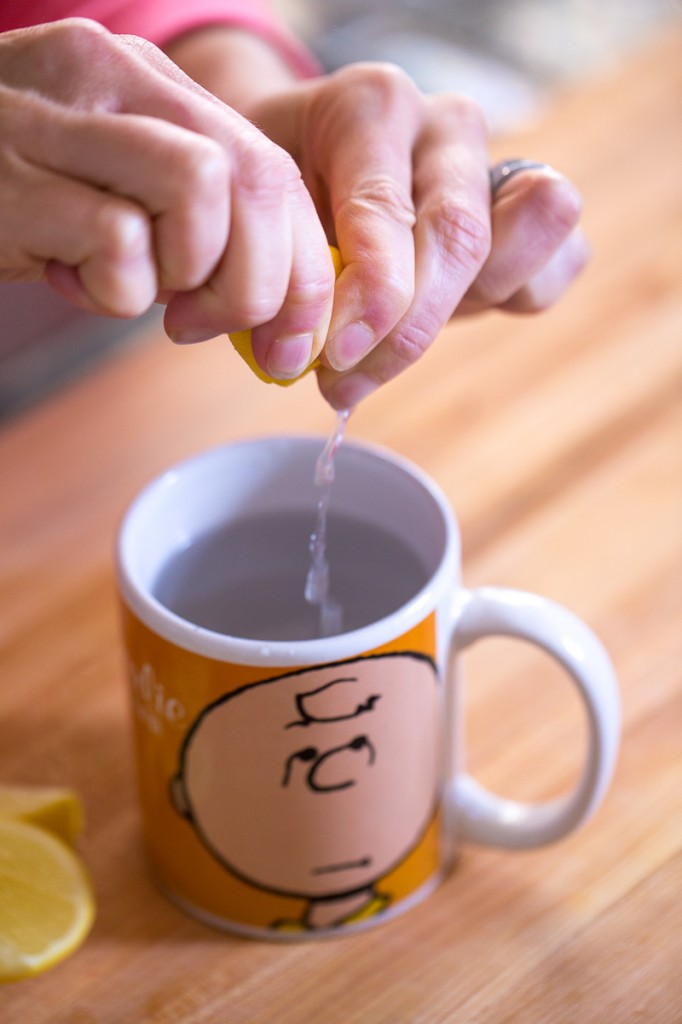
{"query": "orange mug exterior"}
[(279, 800)]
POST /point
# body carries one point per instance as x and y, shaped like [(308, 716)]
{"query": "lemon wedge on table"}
[(55, 808), (46, 901), (241, 341)]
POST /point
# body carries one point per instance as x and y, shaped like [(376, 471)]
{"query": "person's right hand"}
[(121, 180)]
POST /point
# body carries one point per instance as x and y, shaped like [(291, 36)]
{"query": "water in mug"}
[(247, 578)]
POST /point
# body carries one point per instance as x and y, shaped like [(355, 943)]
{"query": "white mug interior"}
[(277, 475)]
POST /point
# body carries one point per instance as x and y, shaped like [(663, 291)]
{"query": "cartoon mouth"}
[(348, 865)]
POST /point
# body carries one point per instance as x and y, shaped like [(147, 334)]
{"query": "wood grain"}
[(558, 440)]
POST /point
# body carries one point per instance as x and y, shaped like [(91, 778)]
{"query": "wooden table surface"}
[(558, 440)]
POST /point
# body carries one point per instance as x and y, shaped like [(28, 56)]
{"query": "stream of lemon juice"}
[(318, 584)]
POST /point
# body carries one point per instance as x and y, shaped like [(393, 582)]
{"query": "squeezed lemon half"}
[(241, 341), (47, 905)]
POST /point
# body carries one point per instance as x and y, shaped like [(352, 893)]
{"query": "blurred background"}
[(509, 55)]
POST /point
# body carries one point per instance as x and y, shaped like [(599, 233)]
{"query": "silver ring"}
[(506, 169)]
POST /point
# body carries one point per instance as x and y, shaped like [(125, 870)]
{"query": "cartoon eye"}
[(322, 780), (307, 754), (359, 743)]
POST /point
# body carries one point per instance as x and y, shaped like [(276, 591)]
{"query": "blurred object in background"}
[(506, 54)]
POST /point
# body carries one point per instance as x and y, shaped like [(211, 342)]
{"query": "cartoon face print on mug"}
[(318, 783)]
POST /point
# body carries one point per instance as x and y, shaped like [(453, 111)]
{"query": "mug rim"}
[(285, 653)]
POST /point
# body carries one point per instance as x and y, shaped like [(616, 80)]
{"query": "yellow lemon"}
[(241, 341), (46, 902), (52, 807)]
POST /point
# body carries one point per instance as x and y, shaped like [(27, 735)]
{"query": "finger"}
[(369, 184), (532, 216), (452, 238), (114, 256), (250, 283), (66, 280), (263, 274), (549, 284), (107, 238), (293, 339), (187, 204)]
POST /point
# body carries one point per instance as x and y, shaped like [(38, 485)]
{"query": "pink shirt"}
[(159, 21)]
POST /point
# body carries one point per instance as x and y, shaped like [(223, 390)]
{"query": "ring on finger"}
[(502, 172)]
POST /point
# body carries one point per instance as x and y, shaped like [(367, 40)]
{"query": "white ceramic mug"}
[(302, 787)]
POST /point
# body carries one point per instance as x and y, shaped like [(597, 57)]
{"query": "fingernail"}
[(347, 347), (289, 357), (348, 391), (191, 335)]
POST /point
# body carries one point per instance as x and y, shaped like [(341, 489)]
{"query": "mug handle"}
[(481, 816)]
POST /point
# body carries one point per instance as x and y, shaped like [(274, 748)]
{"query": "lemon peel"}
[(55, 808), (47, 906)]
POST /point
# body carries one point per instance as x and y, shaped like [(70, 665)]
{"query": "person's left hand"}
[(401, 183)]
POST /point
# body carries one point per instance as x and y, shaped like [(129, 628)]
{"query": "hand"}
[(122, 180), (401, 182)]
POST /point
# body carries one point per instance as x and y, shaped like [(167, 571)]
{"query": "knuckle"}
[(464, 111), (388, 292), (78, 39), (202, 168), (378, 195), (253, 308), (122, 231), (263, 174), (381, 83), (49, 58), (59, 52), (364, 94), (465, 236), (313, 292), (397, 294), (409, 344)]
